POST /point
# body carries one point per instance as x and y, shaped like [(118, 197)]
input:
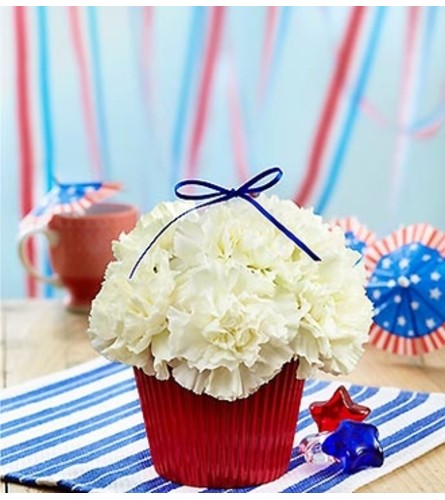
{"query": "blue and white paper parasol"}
[(407, 287), (358, 237), (73, 198)]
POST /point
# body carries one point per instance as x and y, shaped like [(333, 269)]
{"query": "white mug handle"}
[(52, 238)]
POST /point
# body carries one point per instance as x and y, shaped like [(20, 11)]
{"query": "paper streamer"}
[(46, 118), (276, 30), (429, 125), (215, 32), (330, 105), (434, 125), (407, 104), (270, 35), (85, 91), (237, 125), (25, 139), (139, 31), (282, 32), (45, 96), (155, 116), (99, 89), (146, 57), (422, 128), (195, 39), (353, 110), (425, 49)]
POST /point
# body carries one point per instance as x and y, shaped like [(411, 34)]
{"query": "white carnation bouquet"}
[(223, 299)]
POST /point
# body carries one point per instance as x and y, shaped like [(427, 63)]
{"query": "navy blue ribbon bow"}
[(218, 194)]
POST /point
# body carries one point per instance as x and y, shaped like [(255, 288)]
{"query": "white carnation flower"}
[(223, 299)]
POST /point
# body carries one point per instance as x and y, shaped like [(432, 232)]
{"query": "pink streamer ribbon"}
[(408, 93), (24, 128), (214, 34), (237, 125), (146, 57), (270, 35), (85, 92)]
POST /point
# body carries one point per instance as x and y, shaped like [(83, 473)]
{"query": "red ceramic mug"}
[(80, 249)]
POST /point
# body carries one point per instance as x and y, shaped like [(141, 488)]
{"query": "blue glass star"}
[(356, 445)]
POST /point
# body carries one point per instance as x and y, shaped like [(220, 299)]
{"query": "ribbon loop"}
[(213, 190), (218, 194), (251, 187)]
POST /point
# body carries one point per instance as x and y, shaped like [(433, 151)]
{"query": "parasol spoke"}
[(440, 313)]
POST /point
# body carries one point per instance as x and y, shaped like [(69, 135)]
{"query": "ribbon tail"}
[(283, 229)]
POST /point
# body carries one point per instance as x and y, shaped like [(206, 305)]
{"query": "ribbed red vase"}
[(202, 441)]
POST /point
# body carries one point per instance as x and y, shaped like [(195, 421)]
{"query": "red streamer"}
[(85, 91), (327, 116), (211, 53), (270, 34), (24, 130)]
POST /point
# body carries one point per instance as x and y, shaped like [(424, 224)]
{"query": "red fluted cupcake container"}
[(198, 440)]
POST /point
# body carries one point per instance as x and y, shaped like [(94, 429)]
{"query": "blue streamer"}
[(353, 110), (99, 88), (429, 28), (194, 45), (425, 56), (282, 31), (219, 194), (437, 116), (46, 116)]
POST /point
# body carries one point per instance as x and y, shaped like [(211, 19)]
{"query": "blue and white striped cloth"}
[(82, 430)]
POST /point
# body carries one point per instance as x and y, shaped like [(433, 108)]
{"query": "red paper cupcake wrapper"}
[(202, 441)]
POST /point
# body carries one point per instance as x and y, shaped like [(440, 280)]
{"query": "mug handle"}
[(52, 238)]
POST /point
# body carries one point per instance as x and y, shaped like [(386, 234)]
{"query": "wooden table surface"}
[(39, 337)]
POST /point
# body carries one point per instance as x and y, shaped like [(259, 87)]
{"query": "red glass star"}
[(329, 414)]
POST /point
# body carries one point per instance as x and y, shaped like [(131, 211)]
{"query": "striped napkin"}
[(81, 430)]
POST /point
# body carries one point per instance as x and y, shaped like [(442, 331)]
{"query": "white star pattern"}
[(386, 263), (386, 324), (391, 283), (397, 299), (435, 293), (435, 276), (414, 305), (430, 323), (415, 278), (376, 294), (414, 246), (401, 321), (411, 333), (426, 258), (404, 263)]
